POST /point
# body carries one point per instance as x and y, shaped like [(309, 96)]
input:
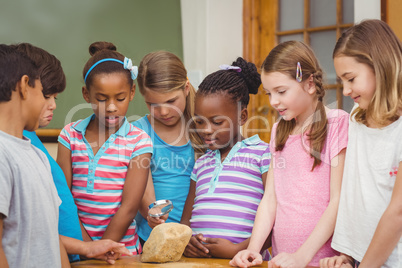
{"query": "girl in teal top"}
[(162, 80)]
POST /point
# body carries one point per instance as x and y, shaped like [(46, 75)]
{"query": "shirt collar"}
[(82, 125)]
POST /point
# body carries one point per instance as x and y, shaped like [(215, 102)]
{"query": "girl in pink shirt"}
[(308, 147)]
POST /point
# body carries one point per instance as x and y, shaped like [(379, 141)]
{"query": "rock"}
[(166, 243)]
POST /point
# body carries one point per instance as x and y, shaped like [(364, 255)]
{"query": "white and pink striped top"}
[(98, 180)]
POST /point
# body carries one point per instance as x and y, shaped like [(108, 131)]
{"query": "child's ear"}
[(85, 94), (132, 92), (22, 87), (311, 85), (187, 88), (243, 116)]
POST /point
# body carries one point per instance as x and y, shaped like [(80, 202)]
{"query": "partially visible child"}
[(169, 95), (106, 159), (308, 145), (368, 60), (28, 198), (228, 181), (53, 82)]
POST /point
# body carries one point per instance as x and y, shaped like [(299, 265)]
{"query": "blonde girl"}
[(368, 60), (169, 95), (308, 148)]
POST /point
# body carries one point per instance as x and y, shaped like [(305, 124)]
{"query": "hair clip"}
[(299, 73), (128, 64), (230, 67)]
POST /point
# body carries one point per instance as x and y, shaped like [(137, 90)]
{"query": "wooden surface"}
[(183, 263)]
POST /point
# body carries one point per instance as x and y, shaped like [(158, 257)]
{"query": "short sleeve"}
[(6, 182), (64, 137), (143, 145), (265, 160), (338, 132)]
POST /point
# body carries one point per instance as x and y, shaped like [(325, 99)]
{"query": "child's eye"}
[(198, 122), (217, 123), (351, 80), (170, 101), (281, 92), (268, 94), (55, 98), (46, 96), (121, 99), (101, 100)]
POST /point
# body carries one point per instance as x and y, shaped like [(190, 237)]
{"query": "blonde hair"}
[(372, 42), (284, 59), (164, 72)]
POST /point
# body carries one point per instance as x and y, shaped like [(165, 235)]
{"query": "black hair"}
[(14, 65), (50, 71), (238, 85), (103, 50)]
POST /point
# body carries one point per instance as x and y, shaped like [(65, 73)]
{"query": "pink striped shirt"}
[(98, 180)]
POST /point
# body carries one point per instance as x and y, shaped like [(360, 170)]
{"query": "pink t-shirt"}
[(303, 195)]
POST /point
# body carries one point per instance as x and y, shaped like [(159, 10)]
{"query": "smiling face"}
[(358, 80), (167, 108), (110, 96), (289, 97), (217, 120), (47, 111)]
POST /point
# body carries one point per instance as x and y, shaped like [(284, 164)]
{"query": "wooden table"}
[(184, 262)]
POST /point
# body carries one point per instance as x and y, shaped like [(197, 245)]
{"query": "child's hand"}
[(195, 248), (105, 249), (337, 261), (287, 260), (154, 221), (246, 258), (221, 248)]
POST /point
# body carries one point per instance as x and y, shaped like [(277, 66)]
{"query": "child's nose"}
[(346, 91), (273, 101), (52, 105), (111, 107), (163, 110)]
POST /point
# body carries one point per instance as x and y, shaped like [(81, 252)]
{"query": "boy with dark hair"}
[(28, 197)]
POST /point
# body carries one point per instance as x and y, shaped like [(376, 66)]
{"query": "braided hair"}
[(238, 85)]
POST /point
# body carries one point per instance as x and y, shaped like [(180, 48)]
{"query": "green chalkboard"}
[(67, 28)]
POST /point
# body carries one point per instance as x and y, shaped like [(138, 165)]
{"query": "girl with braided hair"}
[(228, 180), (308, 145)]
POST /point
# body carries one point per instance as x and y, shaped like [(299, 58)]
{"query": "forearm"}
[(73, 246), (119, 224), (63, 255), (386, 237), (148, 198), (188, 205), (263, 223), (3, 259), (321, 233), (85, 235)]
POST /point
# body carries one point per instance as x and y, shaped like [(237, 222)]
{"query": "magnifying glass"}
[(160, 208)]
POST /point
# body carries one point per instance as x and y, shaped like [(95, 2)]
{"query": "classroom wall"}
[(212, 35), (67, 28)]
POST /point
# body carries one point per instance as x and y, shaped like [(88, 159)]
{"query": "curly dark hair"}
[(237, 84)]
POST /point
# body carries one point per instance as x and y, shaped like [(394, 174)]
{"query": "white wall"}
[(367, 9), (212, 35)]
